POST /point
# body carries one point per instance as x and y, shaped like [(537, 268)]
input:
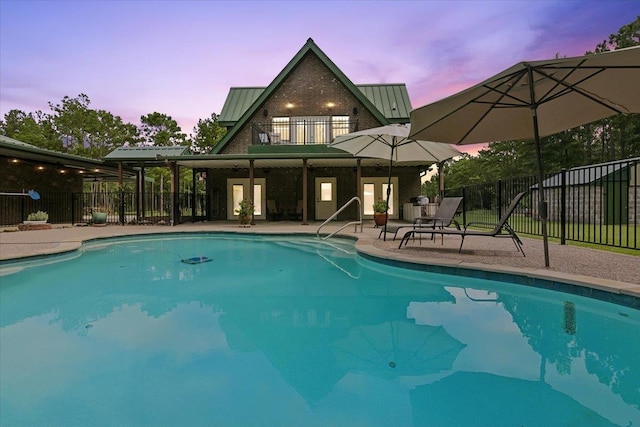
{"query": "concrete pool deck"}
[(592, 268)]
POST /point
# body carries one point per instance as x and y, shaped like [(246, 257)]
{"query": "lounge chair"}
[(443, 217), (501, 229)]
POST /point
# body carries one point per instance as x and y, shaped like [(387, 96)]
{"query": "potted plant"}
[(98, 216), (39, 217), (380, 214), (245, 212)]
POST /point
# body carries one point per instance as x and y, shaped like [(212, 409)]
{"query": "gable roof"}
[(309, 46)]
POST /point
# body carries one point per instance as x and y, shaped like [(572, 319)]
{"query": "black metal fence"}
[(301, 130), (596, 204), (121, 208)]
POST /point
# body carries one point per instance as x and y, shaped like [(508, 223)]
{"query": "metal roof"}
[(238, 101), (145, 153), (584, 175), (94, 168), (392, 100)]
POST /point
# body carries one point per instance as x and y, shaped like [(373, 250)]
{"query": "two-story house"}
[(275, 150), (276, 145)]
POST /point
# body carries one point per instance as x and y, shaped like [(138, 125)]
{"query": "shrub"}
[(38, 216)]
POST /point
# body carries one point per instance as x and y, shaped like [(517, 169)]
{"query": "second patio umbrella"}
[(392, 142), (534, 99)]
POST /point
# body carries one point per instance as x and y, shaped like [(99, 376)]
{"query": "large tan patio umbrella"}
[(534, 99), (392, 142)]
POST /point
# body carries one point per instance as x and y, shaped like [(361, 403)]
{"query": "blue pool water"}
[(290, 331)]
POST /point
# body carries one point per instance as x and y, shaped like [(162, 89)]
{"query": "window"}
[(281, 127), (339, 126), (368, 198), (325, 192)]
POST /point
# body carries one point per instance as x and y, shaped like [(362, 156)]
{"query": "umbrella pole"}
[(542, 202), (393, 146)]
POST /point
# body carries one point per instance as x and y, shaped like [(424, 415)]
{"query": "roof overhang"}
[(229, 161), (89, 168)]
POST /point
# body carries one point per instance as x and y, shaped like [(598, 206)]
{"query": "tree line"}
[(74, 127)]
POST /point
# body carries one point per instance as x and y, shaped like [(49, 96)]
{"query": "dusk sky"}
[(181, 57)]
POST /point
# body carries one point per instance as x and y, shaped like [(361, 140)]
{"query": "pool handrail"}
[(356, 223)]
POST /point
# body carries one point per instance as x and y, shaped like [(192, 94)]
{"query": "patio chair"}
[(443, 217), (500, 229), (272, 211)]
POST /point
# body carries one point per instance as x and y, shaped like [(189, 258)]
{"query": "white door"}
[(238, 189), (374, 188), (326, 204)]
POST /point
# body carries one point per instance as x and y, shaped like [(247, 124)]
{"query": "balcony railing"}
[(300, 131)]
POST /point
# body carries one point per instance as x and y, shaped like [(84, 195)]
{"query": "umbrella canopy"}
[(534, 99), (392, 142), (483, 399), (397, 348)]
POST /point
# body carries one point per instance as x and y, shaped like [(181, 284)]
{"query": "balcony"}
[(301, 131)]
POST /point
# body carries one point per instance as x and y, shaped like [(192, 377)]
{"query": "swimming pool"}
[(282, 330)]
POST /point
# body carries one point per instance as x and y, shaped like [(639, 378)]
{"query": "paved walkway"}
[(588, 267)]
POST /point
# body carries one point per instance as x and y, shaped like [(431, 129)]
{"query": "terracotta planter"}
[(245, 220), (380, 218)]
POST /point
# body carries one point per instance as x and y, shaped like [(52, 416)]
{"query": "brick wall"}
[(284, 185), (309, 87)]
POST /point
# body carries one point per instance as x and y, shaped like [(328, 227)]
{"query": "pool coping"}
[(627, 294)]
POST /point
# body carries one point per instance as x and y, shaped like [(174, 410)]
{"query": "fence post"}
[(122, 207), (563, 206), (464, 205), (499, 199), (73, 209)]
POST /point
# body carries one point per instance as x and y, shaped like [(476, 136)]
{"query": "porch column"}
[(441, 179), (142, 193), (304, 192), (359, 184), (251, 195), (173, 169), (137, 195), (193, 195), (121, 195)]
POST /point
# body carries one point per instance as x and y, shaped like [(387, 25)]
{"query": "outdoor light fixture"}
[(15, 161), (331, 105), (265, 113), (289, 105), (355, 111), (40, 168)]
